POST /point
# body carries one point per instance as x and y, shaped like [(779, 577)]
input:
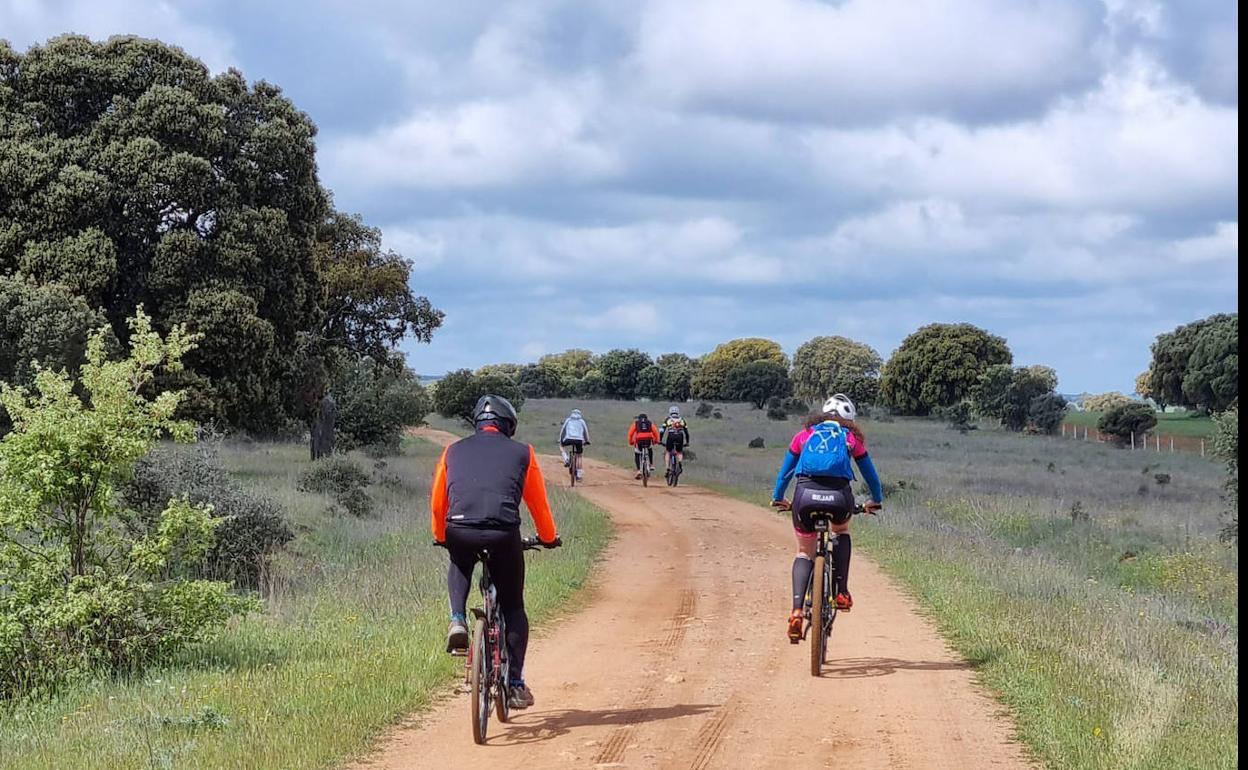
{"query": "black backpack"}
[(643, 425)]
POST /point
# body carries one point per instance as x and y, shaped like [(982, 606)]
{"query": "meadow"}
[(1086, 583), (350, 640), (1179, 424)]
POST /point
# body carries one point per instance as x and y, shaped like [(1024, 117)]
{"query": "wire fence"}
[(1141, 442)]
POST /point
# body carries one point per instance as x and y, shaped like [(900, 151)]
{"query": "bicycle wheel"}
[(818, 607), (829, 610), (572, 468), (645, 472), (502, 675), (479, 682)]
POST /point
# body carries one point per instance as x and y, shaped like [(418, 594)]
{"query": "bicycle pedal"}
[(459, 653)]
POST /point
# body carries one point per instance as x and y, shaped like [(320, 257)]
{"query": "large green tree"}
[(1197, 364), (756, 382), (134, 177), (826, 365), (939, 365), (573, 363), (621, 368), (708, 382)]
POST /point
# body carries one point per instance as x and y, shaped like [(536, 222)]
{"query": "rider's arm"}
[(535, 498), (632, 434), (586, 429), (870, 476), (688, 435), (439, 501), (563, 432), (787, 468)]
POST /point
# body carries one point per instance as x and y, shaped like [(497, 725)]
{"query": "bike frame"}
[(645, 466)]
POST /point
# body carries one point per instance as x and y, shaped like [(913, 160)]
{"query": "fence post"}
[(1157, 441), (1063, 430), (1132, 441), (1172, 445), (1202, 447)]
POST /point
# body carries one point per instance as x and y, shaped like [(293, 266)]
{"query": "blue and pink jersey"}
[(857, 450)]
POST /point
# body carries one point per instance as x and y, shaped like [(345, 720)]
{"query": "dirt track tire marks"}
[(677, 660)]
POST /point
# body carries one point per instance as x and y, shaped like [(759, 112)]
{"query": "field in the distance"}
[(351, 639), (1185, 424), (1094, 600)]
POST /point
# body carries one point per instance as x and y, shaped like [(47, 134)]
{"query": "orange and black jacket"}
[(480, 481), (635, 435)]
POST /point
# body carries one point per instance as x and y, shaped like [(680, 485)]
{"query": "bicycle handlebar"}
[(528, 543)]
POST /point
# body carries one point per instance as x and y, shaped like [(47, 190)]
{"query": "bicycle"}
[(486, 668), (574, 463), (643, 449), (820, 609), (674, 468)]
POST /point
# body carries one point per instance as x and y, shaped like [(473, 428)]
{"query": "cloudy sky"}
[(668, 175)]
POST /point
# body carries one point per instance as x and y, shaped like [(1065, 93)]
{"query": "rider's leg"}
[(462, 547), (842, 553), (507, 570), (803, 566)]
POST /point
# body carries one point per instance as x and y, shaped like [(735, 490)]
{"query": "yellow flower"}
[(1096, 732)]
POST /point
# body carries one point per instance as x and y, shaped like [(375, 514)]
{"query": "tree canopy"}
[(132, 176), (1197, 364), (756, 382), (709, 380), (938, 366), (826, 365)]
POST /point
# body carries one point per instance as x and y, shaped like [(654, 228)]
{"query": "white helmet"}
[(576, 414), (674, 411), (839, 405)]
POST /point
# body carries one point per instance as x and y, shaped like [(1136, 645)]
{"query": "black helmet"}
[(495, 409)]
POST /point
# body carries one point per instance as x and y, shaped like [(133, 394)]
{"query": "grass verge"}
[(350, 641)]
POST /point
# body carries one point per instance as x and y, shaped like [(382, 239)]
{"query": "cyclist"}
[(477, 488), (642, 436), (819, 456), (573, 437), (674, 434)]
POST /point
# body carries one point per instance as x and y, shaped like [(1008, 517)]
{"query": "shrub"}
[(341, 479), (1126, 421), (958, 416), (756, 442), (1226, 446), (252, 530), (376, 402), (776, 409), (704, 410), (1046, 413), (83, 588)]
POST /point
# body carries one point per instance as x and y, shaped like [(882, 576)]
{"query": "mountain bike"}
[(487, 668), (674, 468), (643, 449), (574, 463), (820, 610)]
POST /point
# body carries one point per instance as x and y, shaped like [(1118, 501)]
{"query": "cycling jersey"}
[(857, 450), (636, 437), (675, 433), (574, 429)]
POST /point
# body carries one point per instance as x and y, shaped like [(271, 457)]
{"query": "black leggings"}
[(506, 563), (648, 448)]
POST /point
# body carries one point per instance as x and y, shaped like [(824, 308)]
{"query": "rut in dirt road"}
[(678, 659)]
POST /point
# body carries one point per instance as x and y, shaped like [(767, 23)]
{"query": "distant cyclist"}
[(674, 434), (819, 455), (573, 437), (642, 436), (475, 503)]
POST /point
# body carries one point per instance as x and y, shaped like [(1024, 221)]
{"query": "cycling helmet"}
[(491, 408), (674, 411), (576, 414), (839, 405)]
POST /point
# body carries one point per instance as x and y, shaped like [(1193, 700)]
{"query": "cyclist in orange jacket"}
[(475, 504), (642, 436)]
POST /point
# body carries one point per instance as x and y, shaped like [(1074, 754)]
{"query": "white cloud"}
[(865, 59), (547, 134), (1222, 245), (1140, 140), (29, 22)]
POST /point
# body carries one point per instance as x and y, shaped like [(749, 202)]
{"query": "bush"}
[(341, 479), (776, 409), (1126, 421), (704, 410), (1226, 446), (85, 589), (756, 442), (1046, 413), (958, 416), (253, 529), (376, 402)]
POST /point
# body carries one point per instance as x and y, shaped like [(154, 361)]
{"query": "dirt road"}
[(679, 660)]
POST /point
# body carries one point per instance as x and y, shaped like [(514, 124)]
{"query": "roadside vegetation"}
[(349, 639), (1088, 585)]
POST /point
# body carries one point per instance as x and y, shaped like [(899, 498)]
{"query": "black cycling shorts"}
[(674, 443), (830, 497), (575, 444)]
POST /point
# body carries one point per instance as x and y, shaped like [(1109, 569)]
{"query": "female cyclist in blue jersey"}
[(819, 456)]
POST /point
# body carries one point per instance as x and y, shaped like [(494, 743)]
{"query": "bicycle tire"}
[(572, 468), (502, 676), (830, 611), (818, 606), (479, 683), (645, 473)]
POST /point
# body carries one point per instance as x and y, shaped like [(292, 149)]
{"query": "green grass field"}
[(1189, 424), (1094, 601), (350, 640)]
